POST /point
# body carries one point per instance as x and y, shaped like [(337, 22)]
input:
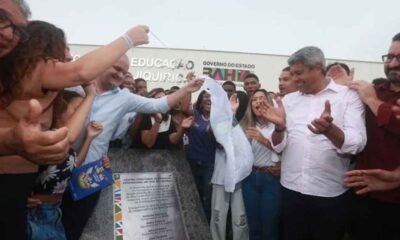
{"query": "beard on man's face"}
[(393, 74)]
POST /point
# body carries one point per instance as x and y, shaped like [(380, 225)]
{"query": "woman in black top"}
[(158, 131)]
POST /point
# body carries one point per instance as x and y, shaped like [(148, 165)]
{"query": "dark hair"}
[(230, 83), (243, 102), (174, 88), (46, 43), (378, 81), (61, 103), (137, 80), (396, 37), (286, 69), (197, 105), (155, 91), (251, 75), (343, 65)]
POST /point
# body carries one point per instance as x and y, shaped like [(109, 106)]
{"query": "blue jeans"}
[(44, 222), (262, 199), (202, 174)]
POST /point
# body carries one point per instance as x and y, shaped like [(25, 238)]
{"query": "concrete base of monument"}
[(101, 224)]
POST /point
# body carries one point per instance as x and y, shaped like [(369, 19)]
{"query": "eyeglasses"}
[(19, 31), (389, 57)]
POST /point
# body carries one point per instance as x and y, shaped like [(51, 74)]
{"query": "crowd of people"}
[(324, 146)]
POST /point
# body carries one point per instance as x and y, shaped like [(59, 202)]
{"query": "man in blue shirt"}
[(111, 104)]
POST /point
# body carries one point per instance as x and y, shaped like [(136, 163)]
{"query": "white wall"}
[(168, 67)]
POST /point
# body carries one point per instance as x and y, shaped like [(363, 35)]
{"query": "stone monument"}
[(139, 164)]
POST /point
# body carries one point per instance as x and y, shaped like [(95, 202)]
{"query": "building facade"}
[(166, 67)]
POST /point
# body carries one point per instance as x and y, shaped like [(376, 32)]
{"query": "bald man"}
[(111, 105)]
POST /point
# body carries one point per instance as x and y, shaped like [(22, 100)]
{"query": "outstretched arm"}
[(92, 64), (192, 86)]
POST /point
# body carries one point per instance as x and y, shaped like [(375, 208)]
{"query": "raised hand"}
[(276, 115), (90, 88), (234, 101), (322, 124), (40, 147), (190, 76), (187, 122), (194, 85), (139, 35), (94, 129), (339, 74)]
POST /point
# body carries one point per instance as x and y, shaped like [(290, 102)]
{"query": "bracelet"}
[(128, 40), (280, 130)]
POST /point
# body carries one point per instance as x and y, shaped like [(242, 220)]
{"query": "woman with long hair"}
[(40, 66), (261, 189), (37, 69)]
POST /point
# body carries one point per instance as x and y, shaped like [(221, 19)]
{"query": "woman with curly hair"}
[(37, 69)]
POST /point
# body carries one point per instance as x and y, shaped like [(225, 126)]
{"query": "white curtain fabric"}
[(239, 156)]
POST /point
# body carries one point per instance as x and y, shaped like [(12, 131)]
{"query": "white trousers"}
[(220, 202)]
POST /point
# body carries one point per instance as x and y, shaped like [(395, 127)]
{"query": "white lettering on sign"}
[(162, 63), (166, 77)]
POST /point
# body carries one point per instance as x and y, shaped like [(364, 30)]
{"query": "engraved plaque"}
[(147, 206)]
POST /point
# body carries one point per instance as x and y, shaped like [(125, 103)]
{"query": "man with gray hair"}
[(13, 19), (321, 126)]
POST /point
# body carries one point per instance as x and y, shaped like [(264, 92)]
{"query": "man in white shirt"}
[(321, 126)]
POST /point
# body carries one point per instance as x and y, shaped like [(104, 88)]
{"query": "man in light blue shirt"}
[(110, 105)]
